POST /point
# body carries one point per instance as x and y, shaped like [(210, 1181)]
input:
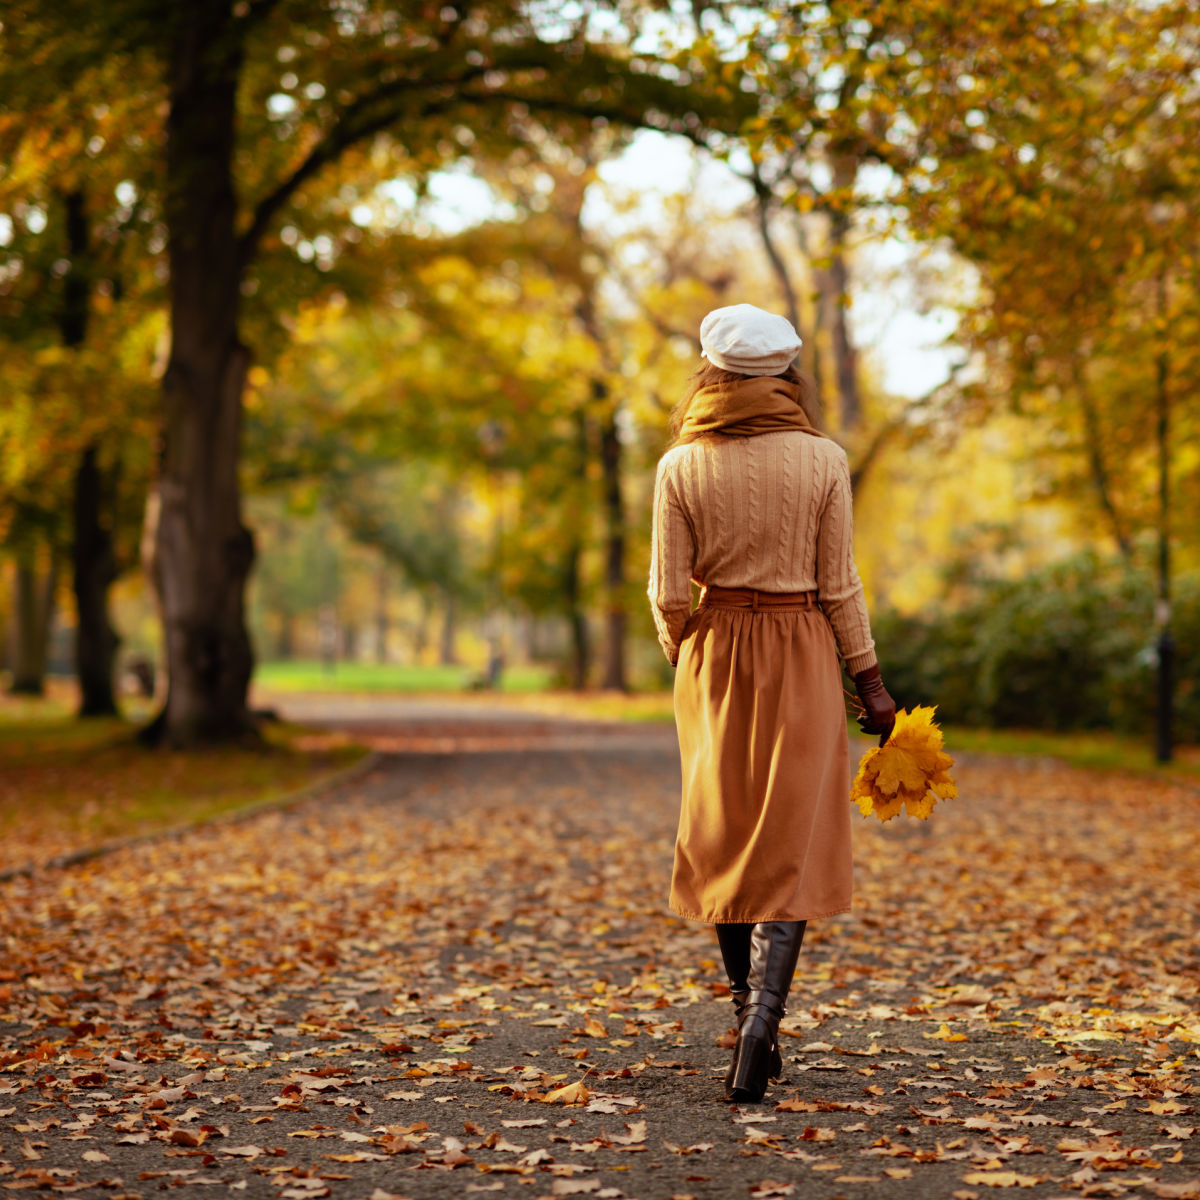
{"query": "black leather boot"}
[(734, 940), (774, 949)]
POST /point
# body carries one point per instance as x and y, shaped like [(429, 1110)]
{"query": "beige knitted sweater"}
[(771, 512)]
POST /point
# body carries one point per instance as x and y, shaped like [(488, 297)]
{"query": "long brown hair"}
[(708, 375)]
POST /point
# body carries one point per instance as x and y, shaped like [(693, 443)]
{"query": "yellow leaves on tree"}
[(910, 772)]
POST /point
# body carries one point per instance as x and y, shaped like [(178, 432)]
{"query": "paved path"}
[(377, 993)]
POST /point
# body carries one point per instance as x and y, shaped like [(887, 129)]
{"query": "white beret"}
[(748, 340)]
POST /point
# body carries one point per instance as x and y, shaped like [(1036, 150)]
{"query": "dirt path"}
[(378, 993)]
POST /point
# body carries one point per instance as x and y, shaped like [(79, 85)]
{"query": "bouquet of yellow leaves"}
[(911, 771)]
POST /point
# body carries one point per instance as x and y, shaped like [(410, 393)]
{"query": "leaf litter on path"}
[(374, 991)]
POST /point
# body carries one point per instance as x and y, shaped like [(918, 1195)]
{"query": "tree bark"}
[(448, 642), (837, 280), (94, 565), (810, 352), (93, 555), (574, 529), (33, 609), (581, 651), (204, 552), (285, 647), (762, 203), (614, 564), (1097, 464), (381, 613)]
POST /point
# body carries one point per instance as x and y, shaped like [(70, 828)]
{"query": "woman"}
[(753, 503)]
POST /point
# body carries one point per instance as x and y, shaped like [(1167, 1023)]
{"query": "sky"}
[(899, 342)]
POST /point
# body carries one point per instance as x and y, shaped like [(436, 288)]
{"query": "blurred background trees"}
[(423, 285)]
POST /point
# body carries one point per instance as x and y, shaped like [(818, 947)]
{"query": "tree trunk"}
[(614, 566), (810, 352), (204, 552), (93, 557), (533, 642), (762, 202), (1097, 463), (33, 610), (845, 356), (580, 643), (381, 613), (95, 567), (448, 642), (420, 631), (285, 647), (575, 531)]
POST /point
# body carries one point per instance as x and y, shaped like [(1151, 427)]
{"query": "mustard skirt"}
[(764, 825)]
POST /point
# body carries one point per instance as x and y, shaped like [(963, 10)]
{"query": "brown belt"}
[(751, 598)]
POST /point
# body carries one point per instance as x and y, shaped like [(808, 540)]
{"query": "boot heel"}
[(752, 1062)]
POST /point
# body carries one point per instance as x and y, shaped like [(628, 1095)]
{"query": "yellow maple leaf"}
[(571, 1093), (908, 774)]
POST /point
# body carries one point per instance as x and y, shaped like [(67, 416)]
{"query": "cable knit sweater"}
[(771, 512)]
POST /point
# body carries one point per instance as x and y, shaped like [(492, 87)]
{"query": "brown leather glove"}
[(880, 710)]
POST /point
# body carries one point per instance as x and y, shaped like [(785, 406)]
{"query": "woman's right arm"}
[(672, 558)]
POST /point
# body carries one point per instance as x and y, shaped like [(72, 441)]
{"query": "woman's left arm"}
[(672, 558), (840, 588)]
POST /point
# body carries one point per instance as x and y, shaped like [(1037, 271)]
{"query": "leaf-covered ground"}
[(459, 977), (68, 786)]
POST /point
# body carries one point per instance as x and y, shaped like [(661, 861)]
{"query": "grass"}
[(311, 676), (1093, 749), (68, 785)]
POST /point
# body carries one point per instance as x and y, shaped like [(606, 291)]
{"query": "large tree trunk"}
[(33, 610), (614, 566), (203, 550)]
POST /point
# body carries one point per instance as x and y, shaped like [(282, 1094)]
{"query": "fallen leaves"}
[(571, 1093), (909, 773), (312, 998), (1002, 1179)]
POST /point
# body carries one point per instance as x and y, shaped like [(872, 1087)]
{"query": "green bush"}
[(1071, 646)]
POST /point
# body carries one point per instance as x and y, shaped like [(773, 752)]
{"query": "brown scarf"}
[(761, 404)]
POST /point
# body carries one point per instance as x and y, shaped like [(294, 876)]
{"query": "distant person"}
[(753, 503)]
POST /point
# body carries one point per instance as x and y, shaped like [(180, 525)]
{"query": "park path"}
[(383, 991)]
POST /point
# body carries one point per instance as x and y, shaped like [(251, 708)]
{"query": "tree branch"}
[(344, 133), (352, 127)]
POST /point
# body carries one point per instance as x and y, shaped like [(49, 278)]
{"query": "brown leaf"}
[(187, 1137)]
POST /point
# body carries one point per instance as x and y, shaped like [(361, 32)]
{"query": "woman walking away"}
[(754, 504)]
